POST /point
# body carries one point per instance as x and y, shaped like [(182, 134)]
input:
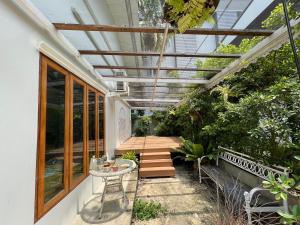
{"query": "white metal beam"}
[(159, 80), (164, 100), (273, 42), (160, 59), (151, 108)]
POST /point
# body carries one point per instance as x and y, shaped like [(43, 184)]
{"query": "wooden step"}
[(156, 163), (155, 155), (157, 172), (154, 149)]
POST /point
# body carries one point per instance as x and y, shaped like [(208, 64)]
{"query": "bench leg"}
[(218, 197), (199, 168), (248, 207)]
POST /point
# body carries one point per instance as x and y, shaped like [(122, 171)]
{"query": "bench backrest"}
[(248, 164)]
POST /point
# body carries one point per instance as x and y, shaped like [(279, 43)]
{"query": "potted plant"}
[(186, 14)]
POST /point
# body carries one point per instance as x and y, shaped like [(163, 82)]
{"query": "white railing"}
[(248, 164)]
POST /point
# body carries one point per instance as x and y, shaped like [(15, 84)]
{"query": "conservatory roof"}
[(159, 77)]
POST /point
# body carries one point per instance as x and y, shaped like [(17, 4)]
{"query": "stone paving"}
[(186, 200)]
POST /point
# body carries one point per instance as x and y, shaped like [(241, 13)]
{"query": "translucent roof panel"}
[(230, 14)]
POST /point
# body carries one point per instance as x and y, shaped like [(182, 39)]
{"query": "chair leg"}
[(102, 199)]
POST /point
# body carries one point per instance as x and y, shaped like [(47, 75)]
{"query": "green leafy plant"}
[(146, 210), (131, 155), (142, 125), (254, 111), (281, 187), (186, 14), (191, 151)]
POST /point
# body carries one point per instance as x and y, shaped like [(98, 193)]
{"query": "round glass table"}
[(112, 174)]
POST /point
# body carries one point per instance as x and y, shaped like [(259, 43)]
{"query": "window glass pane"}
[(92, 114), (77, 130), (55, 126), (101, 125)]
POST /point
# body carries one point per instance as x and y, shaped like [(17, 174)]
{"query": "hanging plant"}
[(186, 14)]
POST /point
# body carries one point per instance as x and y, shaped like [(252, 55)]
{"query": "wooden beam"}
[(155, 68), (152, 79), (170, 54), (198, 31)]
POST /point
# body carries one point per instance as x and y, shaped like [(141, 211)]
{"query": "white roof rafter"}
[(159, 80), (163, 100)]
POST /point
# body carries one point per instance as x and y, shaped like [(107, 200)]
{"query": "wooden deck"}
[(148, 144)]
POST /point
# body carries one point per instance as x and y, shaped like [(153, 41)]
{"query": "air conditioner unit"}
[(121, 86), (120, 74)]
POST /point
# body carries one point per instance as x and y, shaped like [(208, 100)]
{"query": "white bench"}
[(228, 184)]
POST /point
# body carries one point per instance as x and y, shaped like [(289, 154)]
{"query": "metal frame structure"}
[(273, 40)]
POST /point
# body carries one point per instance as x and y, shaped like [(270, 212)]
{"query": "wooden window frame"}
[(104, 123), (78, 180), (89, 88), (41, 208)]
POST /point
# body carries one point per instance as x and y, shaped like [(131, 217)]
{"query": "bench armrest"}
[(199, 166), (249, 196), (200, 159)]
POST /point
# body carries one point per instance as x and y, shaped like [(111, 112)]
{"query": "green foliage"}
[(254, 111), (220, 63), (190, 150), (142, 126), (145, 210), (291, 218), (277, 19), (188, 14), (281, 187), (131, 156)]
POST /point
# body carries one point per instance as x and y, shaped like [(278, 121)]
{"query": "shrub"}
[(131, 156), (146, 210)]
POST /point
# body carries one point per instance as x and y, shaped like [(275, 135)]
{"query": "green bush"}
[(142, 126), (131, 156), (190, 150), (146, 210), (254, 111)]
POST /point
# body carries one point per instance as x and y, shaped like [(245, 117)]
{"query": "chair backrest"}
[(248, 164)]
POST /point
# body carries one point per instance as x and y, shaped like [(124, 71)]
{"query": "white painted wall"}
[(118, 113), (19, 90), (122, 122)]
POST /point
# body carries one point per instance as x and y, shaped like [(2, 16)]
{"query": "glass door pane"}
[(91, 124), (78, 109), (55, 134)]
